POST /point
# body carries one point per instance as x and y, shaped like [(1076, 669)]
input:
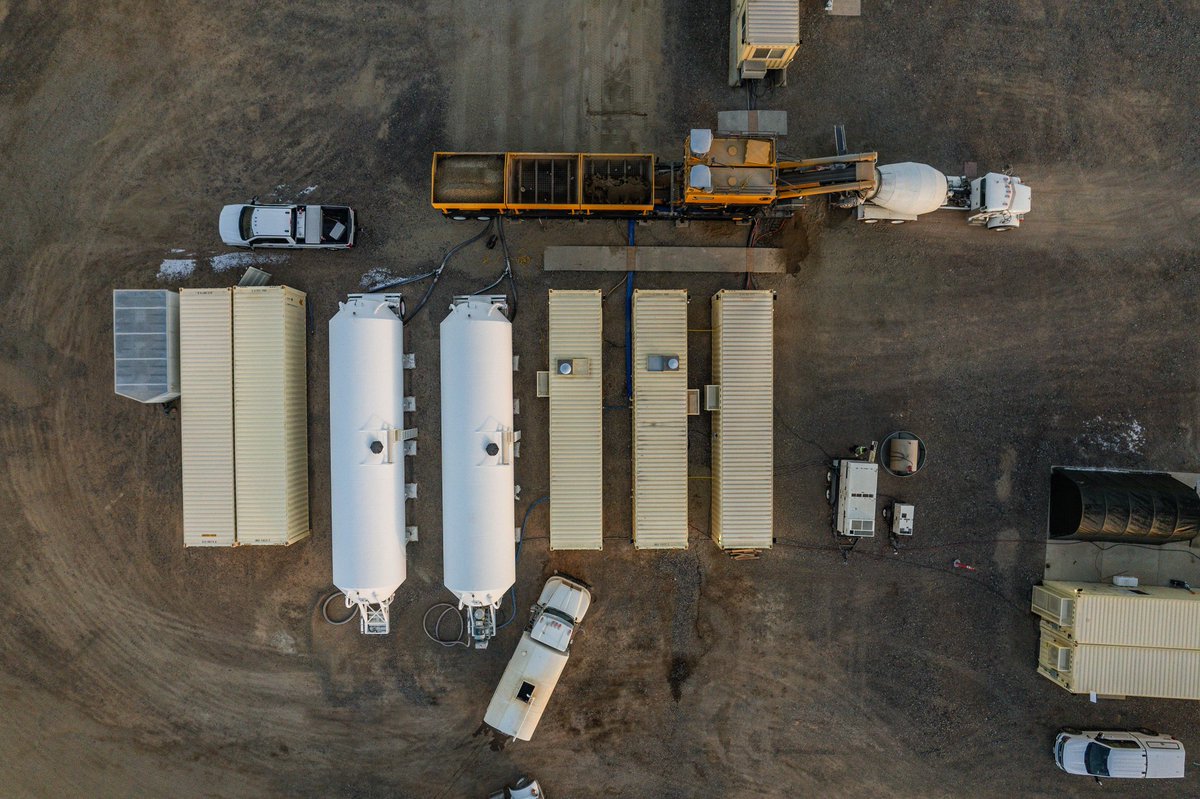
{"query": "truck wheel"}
[(870, 221), (1002, 228), (459, 218)]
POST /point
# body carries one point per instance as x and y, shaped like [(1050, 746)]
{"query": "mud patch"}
[(681, 669)]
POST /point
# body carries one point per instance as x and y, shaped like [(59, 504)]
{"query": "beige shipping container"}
[(1118, 670), (270, 414), (660, 416), (742, 401), (576, 409), (1101, 613), (206, 416)]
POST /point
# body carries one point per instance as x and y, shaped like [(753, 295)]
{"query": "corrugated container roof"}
[(773, 21), (1126, 670), (1154, 616), (743, 427), (660, 460), (576, 408), (206, 416), (270, 414)]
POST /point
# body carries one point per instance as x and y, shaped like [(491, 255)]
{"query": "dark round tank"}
[(1122, 507)]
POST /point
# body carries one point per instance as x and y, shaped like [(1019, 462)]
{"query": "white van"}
[(1143, 754)]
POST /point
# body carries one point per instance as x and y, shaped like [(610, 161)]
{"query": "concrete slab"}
[(734, 260), (743, 121)]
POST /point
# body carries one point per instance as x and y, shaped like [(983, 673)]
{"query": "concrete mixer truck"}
[(907, 190)]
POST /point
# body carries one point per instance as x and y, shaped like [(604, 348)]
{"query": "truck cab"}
[(1126, 755), (534, 670), (999, 201)]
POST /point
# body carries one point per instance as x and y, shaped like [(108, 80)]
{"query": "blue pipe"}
[(629, 323)]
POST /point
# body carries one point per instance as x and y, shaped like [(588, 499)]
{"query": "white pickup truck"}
[(1137, 755), (531, 674), (315, 227)]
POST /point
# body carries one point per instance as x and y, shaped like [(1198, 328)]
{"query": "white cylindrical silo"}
[(910, 188), (366, 425), (478, 449)]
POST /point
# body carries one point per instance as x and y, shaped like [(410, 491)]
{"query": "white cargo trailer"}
[(573, 384), (479, 446), (1118, 671), (367, 447), (660, 419), (270, 415), (206, 416), (1103, 613), (533, 672), (741, 400)]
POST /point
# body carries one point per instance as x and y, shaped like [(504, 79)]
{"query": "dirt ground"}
[(130, 666)]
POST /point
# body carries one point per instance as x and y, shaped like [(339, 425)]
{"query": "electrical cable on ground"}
[(325, 610), (893, 559), (505, 274), (798, 437), (750, 243), (512, 278), (620, 283)]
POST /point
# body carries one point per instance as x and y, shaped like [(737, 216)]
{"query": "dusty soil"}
[(130, 666)]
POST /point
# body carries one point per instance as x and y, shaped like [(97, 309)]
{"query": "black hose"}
[(512, 278), (506, 274), (436, 274), (325, 609)]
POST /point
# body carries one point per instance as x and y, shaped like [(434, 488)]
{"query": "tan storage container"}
[(742, 402), (576, 409), (660, 406), (1118, 671), (206, 416), (1101, 613), (270, 414)]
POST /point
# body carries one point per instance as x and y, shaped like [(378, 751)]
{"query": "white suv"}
[(1143, 754)]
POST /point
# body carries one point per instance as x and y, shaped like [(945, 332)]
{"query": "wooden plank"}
[(774, 122), (765, 260)]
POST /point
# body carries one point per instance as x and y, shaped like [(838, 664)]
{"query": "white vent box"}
[(902, 518)]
